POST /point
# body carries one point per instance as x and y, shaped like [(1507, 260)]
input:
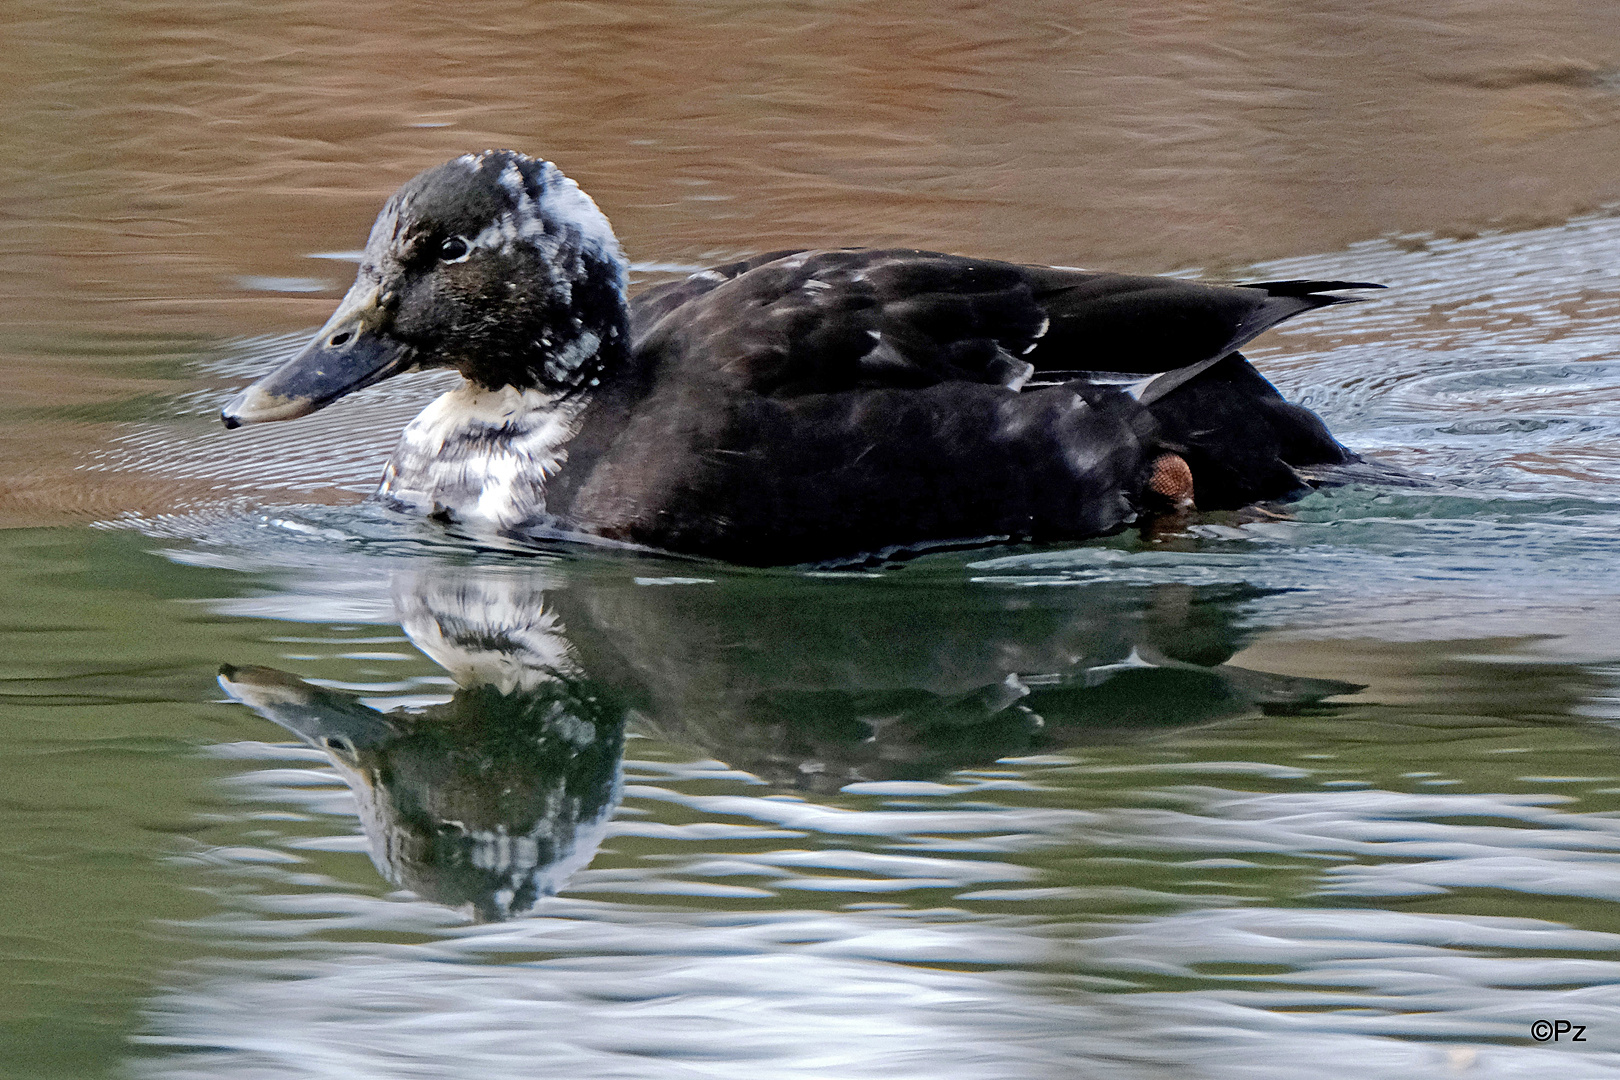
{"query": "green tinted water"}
[(1167, 834)]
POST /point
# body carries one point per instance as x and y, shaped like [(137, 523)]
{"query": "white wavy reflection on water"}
[(611, 988)]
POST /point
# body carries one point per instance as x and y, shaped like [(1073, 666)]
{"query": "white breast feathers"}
[(481, 457)]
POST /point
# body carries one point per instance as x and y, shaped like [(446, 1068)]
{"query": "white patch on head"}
[(563, 203), (707, 275), (499, 235), (563, 362), (563, 226), (563, 217)]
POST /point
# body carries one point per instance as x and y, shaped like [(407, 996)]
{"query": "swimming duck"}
[(797, 406)]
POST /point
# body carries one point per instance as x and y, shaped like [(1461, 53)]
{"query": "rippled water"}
[(930, 819), (1320, 788)]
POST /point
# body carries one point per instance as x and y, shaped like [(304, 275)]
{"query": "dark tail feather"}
[(1284, 300), (1303, 287)]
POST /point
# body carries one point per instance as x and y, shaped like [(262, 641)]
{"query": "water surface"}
[(1276, 791)]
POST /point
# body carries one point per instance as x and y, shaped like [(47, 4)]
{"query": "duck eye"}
[(453, 250)]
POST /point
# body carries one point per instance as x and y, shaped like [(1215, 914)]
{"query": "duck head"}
[(495, 264)]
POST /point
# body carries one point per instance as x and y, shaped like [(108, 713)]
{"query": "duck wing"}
[(786, 324)]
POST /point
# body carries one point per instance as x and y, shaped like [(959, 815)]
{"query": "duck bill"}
[(352, 351), (313, 713)]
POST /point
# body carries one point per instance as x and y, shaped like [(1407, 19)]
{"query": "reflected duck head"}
[(488, 802), (495, 264)]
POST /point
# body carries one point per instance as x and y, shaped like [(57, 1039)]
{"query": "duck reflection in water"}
[(495, 798)]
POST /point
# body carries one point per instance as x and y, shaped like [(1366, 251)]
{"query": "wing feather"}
[(792, 323)]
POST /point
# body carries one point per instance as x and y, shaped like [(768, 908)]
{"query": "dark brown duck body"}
[(805, 406)]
